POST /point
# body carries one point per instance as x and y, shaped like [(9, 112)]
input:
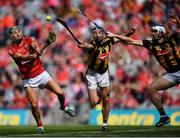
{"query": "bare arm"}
[(19, 57), (130, 32), (85, 45), (36, 47), (127, 39)]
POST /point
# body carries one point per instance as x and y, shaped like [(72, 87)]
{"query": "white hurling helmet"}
[(160, 29)]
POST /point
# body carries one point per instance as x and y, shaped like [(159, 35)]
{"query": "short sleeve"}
[(10, 52), (146, 43), (112, 40)]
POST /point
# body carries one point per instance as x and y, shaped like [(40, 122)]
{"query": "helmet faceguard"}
[(97, 28), (11, 32), (12, 29), (161, 30)]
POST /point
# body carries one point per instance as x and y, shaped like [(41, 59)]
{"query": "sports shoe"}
[(69, 111), (104, 128), (163, 120), (40, 130)]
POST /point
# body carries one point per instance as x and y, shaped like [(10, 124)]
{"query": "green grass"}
[(90, 131)]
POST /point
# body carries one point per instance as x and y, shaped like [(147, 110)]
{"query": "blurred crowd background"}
[(131, 68)]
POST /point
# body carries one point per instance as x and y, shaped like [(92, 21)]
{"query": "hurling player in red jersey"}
[(25, 51)]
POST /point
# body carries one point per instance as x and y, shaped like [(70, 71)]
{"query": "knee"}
[(105, 100), (151, 90), (60, 93), (93, 103), (34, 105)]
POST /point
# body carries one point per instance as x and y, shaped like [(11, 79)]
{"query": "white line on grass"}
[(92, 132)]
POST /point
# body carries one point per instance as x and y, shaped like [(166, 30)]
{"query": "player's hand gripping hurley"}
[(51, 39)]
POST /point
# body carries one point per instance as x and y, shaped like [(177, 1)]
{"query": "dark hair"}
[(97, 28), (11, 29)]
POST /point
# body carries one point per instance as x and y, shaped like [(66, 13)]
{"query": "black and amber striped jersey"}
[(98, 57), (167, 53)]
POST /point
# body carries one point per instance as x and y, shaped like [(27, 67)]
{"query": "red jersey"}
[(29, 68)]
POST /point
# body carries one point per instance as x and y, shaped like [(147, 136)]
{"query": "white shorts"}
[(95, 79), (173, 77), (39, 81)]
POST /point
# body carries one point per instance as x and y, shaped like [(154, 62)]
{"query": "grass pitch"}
[(90, 131)]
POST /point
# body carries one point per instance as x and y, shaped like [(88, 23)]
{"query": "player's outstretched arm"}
[(36, 47), (130, 32), (126, 39), (19, 57), (85, 45)]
